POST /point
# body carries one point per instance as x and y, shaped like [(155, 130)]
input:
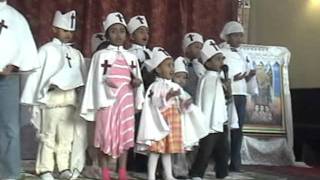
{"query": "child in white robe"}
[(53, 90), (211, 99), (114, 91), (191, 45), (160, 131), (192, 122)]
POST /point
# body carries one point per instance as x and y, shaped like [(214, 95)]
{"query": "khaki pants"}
[(56, 138)]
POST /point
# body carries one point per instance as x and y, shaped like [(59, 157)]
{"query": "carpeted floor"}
[(249, 173)]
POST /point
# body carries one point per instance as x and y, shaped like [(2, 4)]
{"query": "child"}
[(160, 129), (211, 99), (192, 122), (191, 46), (18, 52), (52, 88), (232, 33), (139, 36), (114, 90)]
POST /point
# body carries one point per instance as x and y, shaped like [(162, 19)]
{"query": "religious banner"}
[(268, 108)]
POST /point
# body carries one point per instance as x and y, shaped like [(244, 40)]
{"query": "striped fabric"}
[(173, 142), (115, 124)]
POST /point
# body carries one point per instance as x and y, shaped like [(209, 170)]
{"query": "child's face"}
[(117, 34), (235, 39), (166, 69), (180, 78), (64, 36), (140, 36), (193, 50), (215, 62)]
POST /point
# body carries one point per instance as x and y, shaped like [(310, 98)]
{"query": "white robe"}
[(97, 93), (142, 53), (16, 42), (153, 126), (54, 70), (211, 100)]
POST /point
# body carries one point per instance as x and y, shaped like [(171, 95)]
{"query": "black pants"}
[(213, 145), (236, 134)]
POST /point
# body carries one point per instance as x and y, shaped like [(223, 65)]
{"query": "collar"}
[(138, 46), (160, 79), (59, 42), (213, 73), (115, 48), (3, 5)]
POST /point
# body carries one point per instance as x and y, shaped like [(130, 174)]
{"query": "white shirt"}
[(237, 64), (141, 52)]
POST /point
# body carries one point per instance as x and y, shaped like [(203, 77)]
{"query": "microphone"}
[(225, 69)]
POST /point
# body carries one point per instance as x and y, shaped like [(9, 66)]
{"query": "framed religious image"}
[(269, 103)]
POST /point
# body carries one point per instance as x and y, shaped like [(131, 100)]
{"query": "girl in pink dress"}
[(114, 90)]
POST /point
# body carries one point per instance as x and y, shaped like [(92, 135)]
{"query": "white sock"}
[(167, 165), (152, 165)]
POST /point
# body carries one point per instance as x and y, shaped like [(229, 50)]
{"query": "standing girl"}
[(113, 91)]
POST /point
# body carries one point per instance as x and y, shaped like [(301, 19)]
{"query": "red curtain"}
[(169, 20)]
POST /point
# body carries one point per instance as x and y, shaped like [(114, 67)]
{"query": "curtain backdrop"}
[(169, 20)]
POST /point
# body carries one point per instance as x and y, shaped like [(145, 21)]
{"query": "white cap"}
[(65, 21), (209, 49), (96, 40), (136, 22), (190, 38), (180, 65), (158, 55), (114, 18), (229, 28)]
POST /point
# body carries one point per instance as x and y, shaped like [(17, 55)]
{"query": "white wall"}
[(294, 24)]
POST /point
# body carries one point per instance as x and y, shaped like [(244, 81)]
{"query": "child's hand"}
[(8, 70), (135, 82), (227, 88), (251, 74), (172, 93), (186, 104), (239, 76), (111, 84)]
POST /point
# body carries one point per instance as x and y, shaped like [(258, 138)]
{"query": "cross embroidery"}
[(140, 19), (69, 59), (105, 66), (120, 17), (150, 94), (99, 36), (214, 45), (72, 20), (2, 25), (164, 52), (191, 37), (132, 65)]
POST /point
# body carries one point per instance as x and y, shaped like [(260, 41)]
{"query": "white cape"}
[(211, 100), (97, 93), (17, 46), (153, 127)]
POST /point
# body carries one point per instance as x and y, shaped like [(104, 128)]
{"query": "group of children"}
[(175, 104)]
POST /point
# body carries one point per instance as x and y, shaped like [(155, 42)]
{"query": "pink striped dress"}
[(115, 124)]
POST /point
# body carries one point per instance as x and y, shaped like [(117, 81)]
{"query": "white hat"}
[(114, 18), (96, 40), (190, 38), (136, 22), (158, 55), (209, 49), (180, 65), (65, 21), (229, 28)]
